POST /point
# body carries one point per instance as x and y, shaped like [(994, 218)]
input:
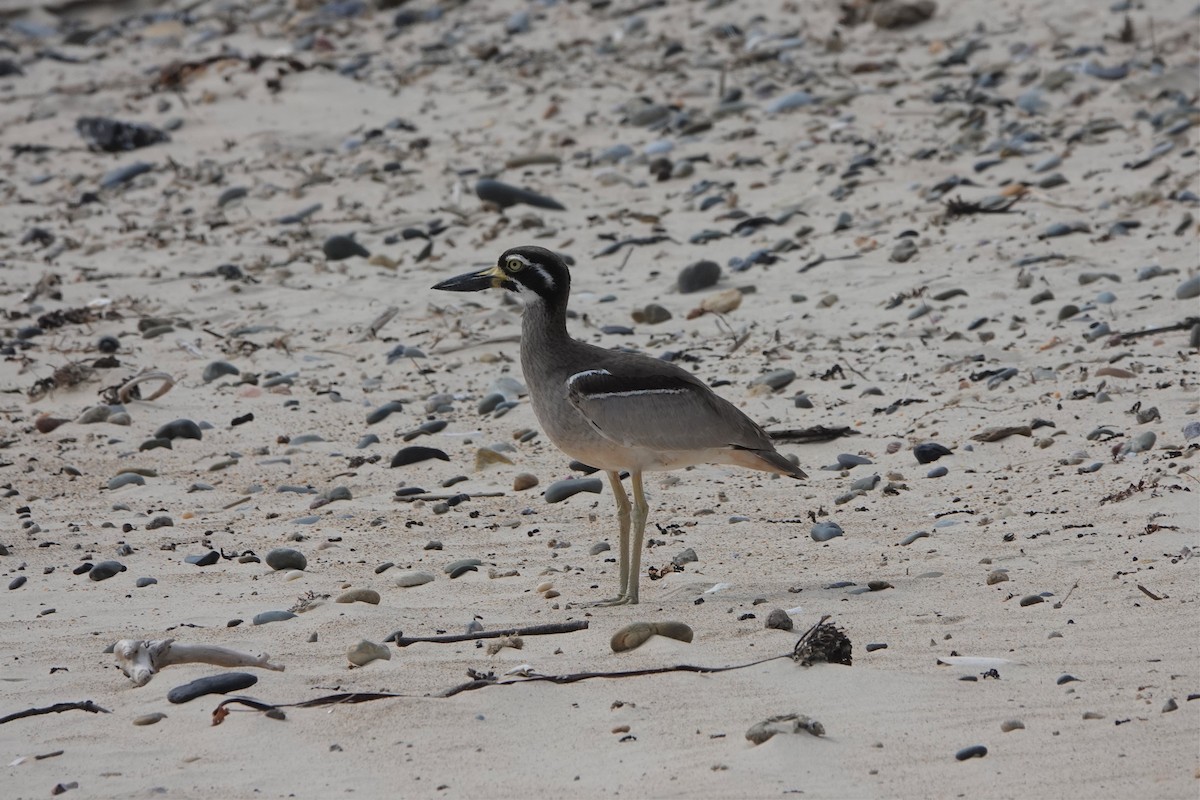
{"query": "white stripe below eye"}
[(571, 380)]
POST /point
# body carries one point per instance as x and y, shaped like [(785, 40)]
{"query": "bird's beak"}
[(490, 278)]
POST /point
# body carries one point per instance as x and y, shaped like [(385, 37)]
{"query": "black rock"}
[(213, 684), (506, 195), (413, 455), (285, 558), (179, 429), (339, 247), (929, 452)]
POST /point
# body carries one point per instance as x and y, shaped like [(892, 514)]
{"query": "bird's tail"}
[(766, 461)]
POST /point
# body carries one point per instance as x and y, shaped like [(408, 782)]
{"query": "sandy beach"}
[(952, 266)]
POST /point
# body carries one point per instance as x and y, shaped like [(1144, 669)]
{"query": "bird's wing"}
[(668, 412)]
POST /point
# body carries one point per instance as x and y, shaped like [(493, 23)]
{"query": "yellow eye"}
[(514, 265)]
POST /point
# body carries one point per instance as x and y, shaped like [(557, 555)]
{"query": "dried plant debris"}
[(823, 642)]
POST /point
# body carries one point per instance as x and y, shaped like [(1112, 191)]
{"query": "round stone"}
[(286, 558)]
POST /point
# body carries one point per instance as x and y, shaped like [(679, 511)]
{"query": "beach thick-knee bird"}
[(612, 410)]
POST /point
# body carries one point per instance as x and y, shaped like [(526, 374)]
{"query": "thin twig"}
[(57, 708), (532, 630)]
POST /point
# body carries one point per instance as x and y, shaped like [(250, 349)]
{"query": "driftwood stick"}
[(410, 498), (401, 640), (57, 708)]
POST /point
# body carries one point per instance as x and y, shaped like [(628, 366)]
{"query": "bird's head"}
[(532, 273)]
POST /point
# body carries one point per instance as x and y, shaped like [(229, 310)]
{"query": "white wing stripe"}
[(571, 380)]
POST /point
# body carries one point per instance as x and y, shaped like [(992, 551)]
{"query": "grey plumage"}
[(617, 411)]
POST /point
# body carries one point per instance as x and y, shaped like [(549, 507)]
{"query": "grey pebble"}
[(598, 548), (299, 216), (685, 556), (367, 651), (105, 570), (873, 646), (1141, 443), (120, 175), (458, 572), (561, 490), (937, 472), (698, 276), (912, 537), (142, 583), (17, 582), (232, 193), (456, 566), (285, 558), (179, 429), (1012, 725), (903, 251), (1032, 600), (824, 531), (851, 460), (865, 484), (1188, 289), (366, 441), (305, 438), (218, 369), (206, 560), (384, 567), (160, 522), (776, 379), (126, 479), (264, 617), (407, 580), (213, 684), (779, 620)]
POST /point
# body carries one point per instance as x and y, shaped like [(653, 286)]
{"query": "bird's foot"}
[(622, 600)]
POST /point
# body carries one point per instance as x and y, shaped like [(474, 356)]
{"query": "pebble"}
[(384, 411), (149, 719), (461, 564), (179, 429), (929, 452), (1188, 289), (338, 248), (265, 617), (415, 454), (698, 276), (213, 684), (598, 548), (912, 537), (105, 570), (776, 379), (779, 620), (367, 651), (865, 484), (506, 195), (523, 481), (285, 558), (1032, 600), (206, 560), (142, 583), (974, 751), (17, 582), (124, 174), (369, 596), (937, 472), (851, 460), (685, 556), (1012, 725), (636, 634), (824, 531), (997, 576), (568, 487), (407, 580), (218, 369), (871, 647), (126, 479)]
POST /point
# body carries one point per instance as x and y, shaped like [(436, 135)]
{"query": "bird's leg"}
[(614, 480), (641, 510)]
